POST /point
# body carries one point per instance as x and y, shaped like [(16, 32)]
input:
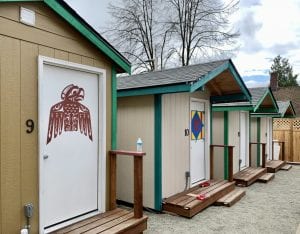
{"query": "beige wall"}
[(218, 139), (136, 119), (253, 138), (20, 46), (175, 145)]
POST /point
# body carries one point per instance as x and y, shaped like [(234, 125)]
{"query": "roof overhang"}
[(224, 83), (69, 15), (266, 104), (288, 111)]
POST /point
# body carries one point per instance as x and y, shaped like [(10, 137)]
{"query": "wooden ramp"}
[(286, 167), (195, 199), (115, 221), (274, 165), (248, 176), (265, 178), (231, 198)]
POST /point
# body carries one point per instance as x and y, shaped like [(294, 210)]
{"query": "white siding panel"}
[(253, 139), (135, 119), (233, 137)]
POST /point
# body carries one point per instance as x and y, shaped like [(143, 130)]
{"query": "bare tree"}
[(201, 27), (154, 33), (137, 32)]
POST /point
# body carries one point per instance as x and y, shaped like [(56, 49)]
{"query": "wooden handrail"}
[(230, 160), (263, 153), (282, 148), (138, 180)]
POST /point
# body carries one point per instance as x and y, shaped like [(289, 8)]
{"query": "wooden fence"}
[(288, 130)]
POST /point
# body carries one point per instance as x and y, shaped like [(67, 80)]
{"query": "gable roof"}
[(77, 22), (187, 79), (262, 103), (289, 94), (286, 109)]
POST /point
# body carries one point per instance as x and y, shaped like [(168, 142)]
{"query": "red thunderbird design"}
[(69, 114)]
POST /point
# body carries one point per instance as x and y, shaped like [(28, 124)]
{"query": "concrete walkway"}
[(266, 208)]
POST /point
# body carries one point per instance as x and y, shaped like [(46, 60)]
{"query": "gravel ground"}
[(266, 208)]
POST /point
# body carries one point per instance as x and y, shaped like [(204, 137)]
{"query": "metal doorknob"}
[(46, 156)]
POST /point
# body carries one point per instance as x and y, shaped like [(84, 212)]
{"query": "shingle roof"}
[(257, 94), (283, 105), (289, 93), (179, 75)]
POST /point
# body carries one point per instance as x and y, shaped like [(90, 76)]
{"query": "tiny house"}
[(170, 110), (241, 129), (58, 112)]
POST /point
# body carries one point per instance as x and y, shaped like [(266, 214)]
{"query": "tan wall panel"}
[(75, 58), (10, 135), (175, 145), (87, 61), (59, 54), (233, 138), (218, 139), (29, 143), (46, 51), (136, 119), (253, 138)]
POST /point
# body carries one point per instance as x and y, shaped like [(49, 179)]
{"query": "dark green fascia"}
[(232, 108), (113, 108), (261, 115), (21, 0), (158, 152), (228, 98), (263, 110), (240, 81), (89, 34), (226, 135), (267, 92), (209, 76), (258, 140), (154, 90)]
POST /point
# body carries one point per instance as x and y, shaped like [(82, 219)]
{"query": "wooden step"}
[(231, 198), (286, 167), (248, 176), (266, 177)]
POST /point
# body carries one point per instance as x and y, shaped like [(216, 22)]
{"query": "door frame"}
[(101, 73), (247, 127), (207, 137)]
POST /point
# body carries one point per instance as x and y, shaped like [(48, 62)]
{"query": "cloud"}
[(283, 48), (254, 84), (249, 3)]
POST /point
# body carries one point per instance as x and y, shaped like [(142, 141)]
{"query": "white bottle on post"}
[(139, 145)]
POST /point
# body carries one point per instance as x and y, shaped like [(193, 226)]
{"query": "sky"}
[(267, 28)]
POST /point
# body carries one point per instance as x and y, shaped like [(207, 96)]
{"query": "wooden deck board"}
[(286, 167), (231, 198), (189, 205), (248, 176), (119, 220), (274, 165), (266, 177)]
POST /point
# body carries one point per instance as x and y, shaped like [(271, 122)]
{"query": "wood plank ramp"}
[(274, 165), (265, 178), (114, 221), (248, 176), (286, 167), (231, 198), (186, 203)]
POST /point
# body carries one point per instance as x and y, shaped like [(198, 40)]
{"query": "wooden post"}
[(230, 163), (113, 181), (263, 155), (250, 155), (211, 162), (138, 187), (283, 152)]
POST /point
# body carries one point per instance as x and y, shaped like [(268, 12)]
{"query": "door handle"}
[(45, 156)]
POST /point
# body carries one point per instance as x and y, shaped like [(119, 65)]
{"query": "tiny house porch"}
[(116, 220)]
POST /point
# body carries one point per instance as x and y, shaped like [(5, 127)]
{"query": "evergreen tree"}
[(284, 71)]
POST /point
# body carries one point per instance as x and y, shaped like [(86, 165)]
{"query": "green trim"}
[(239, 80), (231, 108), (257, 115), (89, 34), (211, 123), (258, 140), (21, 0), (114, 121), (228, 98), (266, 110), (209, 76), (154, 90), (226, 130), (158, 152), (258, 108)]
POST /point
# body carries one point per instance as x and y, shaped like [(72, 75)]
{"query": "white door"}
[(243, 140), (269, 137), (71, 141), (197, 141), (264, 136)]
